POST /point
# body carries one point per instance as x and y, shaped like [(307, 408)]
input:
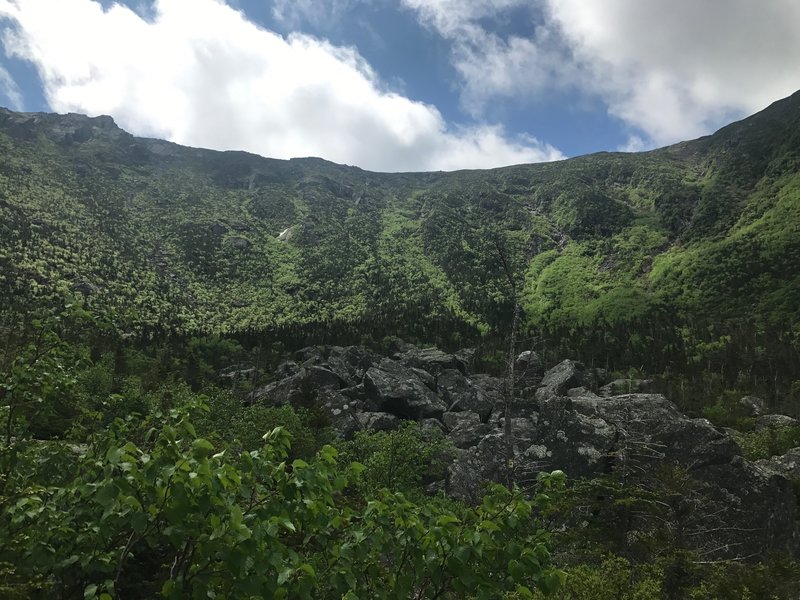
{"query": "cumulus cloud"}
[(676, 70), (669, 70), (197, 72)]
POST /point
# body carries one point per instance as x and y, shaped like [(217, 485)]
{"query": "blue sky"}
[(395, 85)]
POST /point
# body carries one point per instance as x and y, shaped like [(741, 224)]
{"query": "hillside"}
[(689, 254), (218, 380)]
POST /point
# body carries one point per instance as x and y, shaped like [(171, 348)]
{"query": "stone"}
[(565, 375), (775, 422), (528, 365), (452, 420), (377, 421), (343, 414), (469, 433), (461, 395), (397, 389), (301, 389), (753, 406), (432, 360), (787, 465)]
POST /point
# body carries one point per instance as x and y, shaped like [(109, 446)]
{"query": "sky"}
[(404, 85)]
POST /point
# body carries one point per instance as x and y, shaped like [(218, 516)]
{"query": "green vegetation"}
[(681, 260), (133, 272)]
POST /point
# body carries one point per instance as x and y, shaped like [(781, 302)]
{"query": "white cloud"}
[(670, 70), (199, 73), (10, 89)]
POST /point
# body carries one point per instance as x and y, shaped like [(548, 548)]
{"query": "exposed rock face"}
[(397, 390)]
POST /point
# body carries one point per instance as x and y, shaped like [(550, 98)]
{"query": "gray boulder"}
[(377, 421), (470, 433), (461, 395), (432, 360), (565, 375), (299, 389), (753, 406), (528, 365), (476, 467), (398, 390), (452, 420), (775, 422), (342, 412), (787, 465)]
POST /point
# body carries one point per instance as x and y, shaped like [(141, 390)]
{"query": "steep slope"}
[(663, 252)]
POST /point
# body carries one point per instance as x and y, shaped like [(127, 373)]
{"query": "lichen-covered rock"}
[(787, 465), (775, 422), (342, 412), (753, 406)]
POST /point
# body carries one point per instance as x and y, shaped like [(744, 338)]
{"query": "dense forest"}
[(148, 291)]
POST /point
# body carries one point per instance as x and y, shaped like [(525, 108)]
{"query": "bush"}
[(401, 460), (175, 517)]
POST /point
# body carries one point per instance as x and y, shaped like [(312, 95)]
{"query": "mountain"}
[(688, 254)]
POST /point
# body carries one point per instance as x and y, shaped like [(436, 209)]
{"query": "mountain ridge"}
[(611, 246)]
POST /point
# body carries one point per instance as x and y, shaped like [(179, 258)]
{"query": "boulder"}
[(432, 360), (301, 388), (351, 362), (461, 395), (426, 378), (466, 356), (787, 465), (528, 365), (467, 434), (473, 468), (753, 406), (377, 421), (398, 390), (775, 422), (489, 394), (286, 369), (565, 375), (731, 507), (309, 354), (342, 412), (452, 420), (432, 425)]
